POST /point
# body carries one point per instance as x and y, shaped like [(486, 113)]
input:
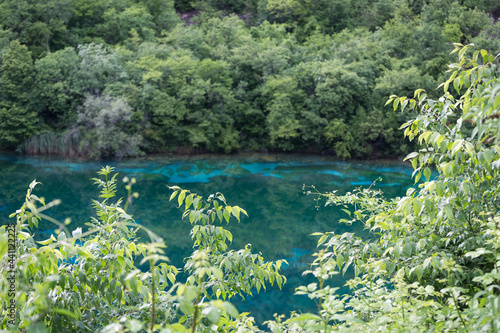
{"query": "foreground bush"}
[(90, 281), (432, 263)]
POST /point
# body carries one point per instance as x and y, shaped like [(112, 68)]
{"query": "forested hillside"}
[(118, 78)]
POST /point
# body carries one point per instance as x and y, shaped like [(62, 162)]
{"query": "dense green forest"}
[(118, 78)]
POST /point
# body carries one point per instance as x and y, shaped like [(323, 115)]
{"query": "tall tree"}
[(16, 81)]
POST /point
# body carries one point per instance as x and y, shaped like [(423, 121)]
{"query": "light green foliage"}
[(118, 24), (65, 77), (99, 66), (212, 267), (471, 21), (452, 33), (89, 281), (403, 81), (282, 124), (193, 99), (106, 128), (62, 280)]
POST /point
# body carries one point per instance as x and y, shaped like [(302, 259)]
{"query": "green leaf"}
[(186, 307), (456, 84), (189, 201), (181, 197), (449, 212), (121, 261), (65, 313), (304, 316), (348, 318), (477, 253), (455, 147), (417, 206), (229, 235), (192, 216), (417, 177), (395, 104), (410, 156), (227, 213), (340, 260), (397, 251), (445, 86), (48, 241), (230, 309), (171, 278), (243, 211), (177, 328), (235, 210), (484, 54), (212, 313), (419, 272), (427, 173), (134, 325), (77, 233), (118, 292), (172, 196), (382, 225), (414, 163), (322, 239), (132, 247)]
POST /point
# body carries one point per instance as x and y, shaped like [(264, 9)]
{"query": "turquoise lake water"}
[(281, 217)]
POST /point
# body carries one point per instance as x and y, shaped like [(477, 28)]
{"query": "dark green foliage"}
[(16, 121), (39, 24), (56, 88), (223, 76)]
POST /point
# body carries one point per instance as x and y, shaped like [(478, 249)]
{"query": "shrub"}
[(89, 280), (432, 262), (106, 128)]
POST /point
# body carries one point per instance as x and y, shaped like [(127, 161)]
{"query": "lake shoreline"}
[(248, 154)]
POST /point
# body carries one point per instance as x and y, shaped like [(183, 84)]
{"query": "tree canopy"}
[(226, 76)]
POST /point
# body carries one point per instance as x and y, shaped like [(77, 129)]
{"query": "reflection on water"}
[(269, 187)]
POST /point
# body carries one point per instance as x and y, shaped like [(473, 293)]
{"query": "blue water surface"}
[(281, 217)]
